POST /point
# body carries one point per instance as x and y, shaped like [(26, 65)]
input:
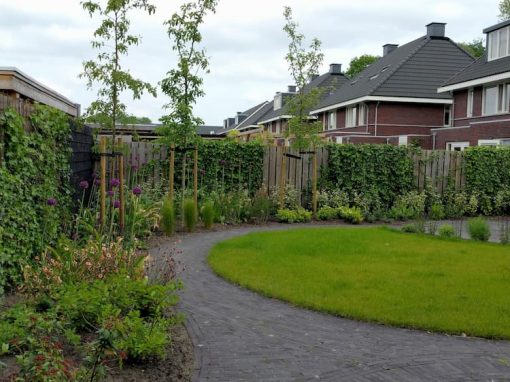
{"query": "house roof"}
[(205, 131), (328, 81), (414, 70), (254, 115)]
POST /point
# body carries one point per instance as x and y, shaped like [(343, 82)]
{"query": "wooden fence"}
[(442, 169)]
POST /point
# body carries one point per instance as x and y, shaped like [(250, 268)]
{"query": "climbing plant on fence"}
[(375, 171), (34, 186), (222, 165), (487, 170)]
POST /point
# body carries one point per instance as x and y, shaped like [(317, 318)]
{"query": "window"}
[(332, 120), (448, 115), (499, 43), (402, 140), (494, 142), (350, 116), (362, 114), (457, 146), (469, 108), (495, 99)]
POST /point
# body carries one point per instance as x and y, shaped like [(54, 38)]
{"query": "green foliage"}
[(122, 119), (446, 231), (113, 41), (476, 48), (358, 64), (409, 228), (35, 168), (504, 10), (183, 85), (383, 171), (261, 207), (167, 217), (409, 206), (190, 214), (303, 65), (332, 198), (352, 215), (299, 215), (231, 207), (479, 229), (208, 214), (327, 213)]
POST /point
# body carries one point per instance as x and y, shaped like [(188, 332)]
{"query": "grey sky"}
[(49, 39)]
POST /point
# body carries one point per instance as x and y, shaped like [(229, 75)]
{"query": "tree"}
[(358, 64), (122, 119), (183, 85), (504, 10), (303, 65), (113, 40), (476, 47)]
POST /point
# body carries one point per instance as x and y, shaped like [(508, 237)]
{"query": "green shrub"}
[(231, 207), (327, 213), (190, 215), (299, 215), (351, 215), (208, 214), (436, 212), (409, 206), (409, 228), (479, 229), (260, 209), (167, 217), (446, 231)]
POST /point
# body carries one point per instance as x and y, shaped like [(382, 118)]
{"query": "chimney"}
[(436, 30), (292, 88), (240, 117), (388, 48), (335, 69)]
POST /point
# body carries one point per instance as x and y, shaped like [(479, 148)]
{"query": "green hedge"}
[(222, 164), (34, 169), (375, 171), (487, 170)]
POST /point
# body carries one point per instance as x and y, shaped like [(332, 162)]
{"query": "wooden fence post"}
[(283, 176), (195, 177), (171, 174), (103, 181), (121, 187), (314, 183)]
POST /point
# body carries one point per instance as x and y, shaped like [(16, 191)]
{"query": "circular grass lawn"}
[(377, 274)]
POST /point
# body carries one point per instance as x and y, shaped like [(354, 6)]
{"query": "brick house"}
[(395, 100), (481, 93)]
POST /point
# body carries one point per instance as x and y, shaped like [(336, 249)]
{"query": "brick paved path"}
[(241, 336)]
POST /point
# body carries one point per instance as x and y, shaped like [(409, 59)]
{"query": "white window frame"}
[(362, 114), (470, 104), (339, 140), (451, 146), (403, 140), (331, 120), (493, 142), (502, 99), (494, 43), (350, 116)]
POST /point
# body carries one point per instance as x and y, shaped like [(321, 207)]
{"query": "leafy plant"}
[(408, 206), (299, 215), (190, 214), (446, 231), (208, 214), (327, 213), (261, 207), (352, 215), (167, 217), (436, 213), (479, 229)]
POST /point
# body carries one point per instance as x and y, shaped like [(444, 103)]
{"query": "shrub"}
[(190, 215), (446, 231), (327, 213), (436, 213), (408, 206), (231, 207), (409, 228), (479, 229), (333, 198), (208, 214), (261, 206), (299, 215), (351, 215), (167, 216)]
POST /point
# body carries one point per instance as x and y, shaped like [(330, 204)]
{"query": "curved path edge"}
[(239, 335)]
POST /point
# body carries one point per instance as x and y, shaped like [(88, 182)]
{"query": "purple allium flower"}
[(134, 167), (116, 204), (110, 193), (84, 184), (137, 191), (223, 162), (114, 182), (95, 175), (51, 202), (97, 182)]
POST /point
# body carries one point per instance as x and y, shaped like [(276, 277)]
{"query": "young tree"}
[(304, 64), (476, 47), (504, 10), (358, 64), (183, 85), (112, 39)]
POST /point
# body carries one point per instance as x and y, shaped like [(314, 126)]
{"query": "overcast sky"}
[(49, 40)]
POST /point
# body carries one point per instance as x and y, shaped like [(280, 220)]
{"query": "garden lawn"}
[(379, 275)]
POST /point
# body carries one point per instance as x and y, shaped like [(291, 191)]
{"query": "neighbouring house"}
[(481, 94), (395, 100), (246, 123), (20, 91), (275, 119)]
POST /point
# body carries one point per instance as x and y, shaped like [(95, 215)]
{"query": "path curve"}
[(239, 335)]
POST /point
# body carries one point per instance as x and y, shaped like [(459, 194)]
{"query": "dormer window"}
[(499, 43)]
